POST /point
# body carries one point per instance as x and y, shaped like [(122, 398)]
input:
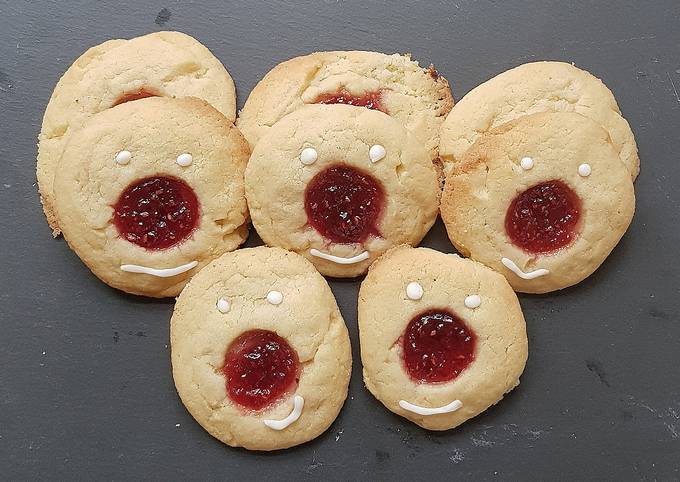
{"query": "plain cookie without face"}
[(529, 89), (419, 98), (167, 64), (340, 185), (150, 191), (261, 357), (446, 355), (545, 224)]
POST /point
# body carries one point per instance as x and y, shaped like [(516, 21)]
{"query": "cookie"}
[(419, 98), (150, 191), (340, 185), (532, 88), (442, 338), (260, 353), (542, 199), (168, 64)]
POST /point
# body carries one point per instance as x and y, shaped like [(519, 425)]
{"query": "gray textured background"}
[(85, 384)]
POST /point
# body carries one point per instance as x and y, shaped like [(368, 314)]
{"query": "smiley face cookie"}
[(260, 353), (394, 84), (150, 191), (528, 89), (340, 185), (542, 199), (167, 64), (442, 338)]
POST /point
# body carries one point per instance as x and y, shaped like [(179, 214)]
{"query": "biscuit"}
[(168, 64), (254, 311), (528, 89), (419, 98), (542, 199), (150, 191), (340, 185), (442, 338)]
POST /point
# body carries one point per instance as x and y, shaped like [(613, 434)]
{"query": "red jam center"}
[(344, 204), (544, 218), (156, 212), (370, 100), (260, 368), (437, 346), (134, 95)]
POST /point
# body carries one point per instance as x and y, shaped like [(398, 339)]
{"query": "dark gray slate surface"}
[(85, 384)]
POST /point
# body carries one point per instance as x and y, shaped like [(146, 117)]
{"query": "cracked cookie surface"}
[(514, 166), (529, 89), (191, 210), (305, 315), (481, 301), (167, 64), (315, 165), (419, 98)]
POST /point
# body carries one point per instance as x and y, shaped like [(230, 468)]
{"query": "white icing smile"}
[(298, 404), (510, 264), (161, 273), (451, 407), (337, 259)]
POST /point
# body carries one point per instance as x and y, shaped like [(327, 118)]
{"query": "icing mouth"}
[(339, 260), (510, 264), (451, 407), (298, 405), (162, 272)]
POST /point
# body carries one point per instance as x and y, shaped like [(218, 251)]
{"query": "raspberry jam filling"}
[(156, 212), (544, 218), (437, 346), (260, 368), (370, 100), (344, 204), (134, 95)]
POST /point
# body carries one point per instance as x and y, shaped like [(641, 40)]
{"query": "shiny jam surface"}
[(544, 218), (370, 100), (134, 95), (156, 212), (437, 346), (260, 368), (344, 204)]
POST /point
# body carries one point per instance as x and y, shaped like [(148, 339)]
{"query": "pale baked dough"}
[(528, 89), (419, 98), (276, 180), (156, 131), (488, 177), (308, 318), (446, 279), (170, 64)]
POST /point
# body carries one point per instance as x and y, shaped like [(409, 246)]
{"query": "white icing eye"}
[(414, 291), (308, 156), (376, 152), (584, 170), (184, 159), (526, 163), (223, 305), (275, 297), (473, 301), (123, 157)]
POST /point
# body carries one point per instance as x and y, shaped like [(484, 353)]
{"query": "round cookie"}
[(532, 88), (150, 191), (168, 64), (340, 185), (542, 199), (260, 353), (442, 338), (419, 98)]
